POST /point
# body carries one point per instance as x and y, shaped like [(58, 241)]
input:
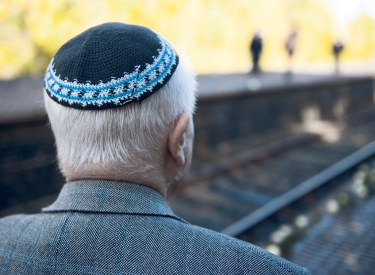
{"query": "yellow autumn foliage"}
[(214, 33)]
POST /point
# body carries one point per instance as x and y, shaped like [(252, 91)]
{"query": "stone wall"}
[(28, 168), (261, 116)]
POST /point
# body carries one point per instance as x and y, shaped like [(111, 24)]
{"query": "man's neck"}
[(151, 179)]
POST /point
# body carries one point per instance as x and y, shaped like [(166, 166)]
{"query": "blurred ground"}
[(347, 68), (22, 99), (213, 84)]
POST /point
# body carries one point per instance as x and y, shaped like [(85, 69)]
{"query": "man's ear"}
[(176, 139)]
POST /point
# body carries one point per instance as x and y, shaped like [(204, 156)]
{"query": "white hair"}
[(131, 136)]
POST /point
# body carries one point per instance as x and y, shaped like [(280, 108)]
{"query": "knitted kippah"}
[(109, 66)]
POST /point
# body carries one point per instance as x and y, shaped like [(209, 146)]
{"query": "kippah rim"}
[(131, 87)]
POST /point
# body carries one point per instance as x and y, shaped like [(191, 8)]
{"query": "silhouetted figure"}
[(256, 50), (290, 46), (337, 48)]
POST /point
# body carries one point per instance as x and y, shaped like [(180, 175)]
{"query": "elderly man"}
[(120, 103)]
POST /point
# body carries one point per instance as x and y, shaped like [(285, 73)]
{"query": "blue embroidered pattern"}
[(131, 87)]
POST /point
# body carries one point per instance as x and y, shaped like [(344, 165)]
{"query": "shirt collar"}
[(105, 196)]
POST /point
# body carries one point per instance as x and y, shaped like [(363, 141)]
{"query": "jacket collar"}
[(103, 196)]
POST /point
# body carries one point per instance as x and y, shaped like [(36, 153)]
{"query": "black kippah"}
[(109, 66)]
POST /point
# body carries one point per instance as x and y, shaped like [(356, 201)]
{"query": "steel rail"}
[(301, 190)]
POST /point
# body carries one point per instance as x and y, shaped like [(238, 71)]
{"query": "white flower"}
[(332, 206), (274, 249), (301, 221)]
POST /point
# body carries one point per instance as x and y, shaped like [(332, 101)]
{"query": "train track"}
[(223, 193), (259, 193), (325, 223), (282, 196)]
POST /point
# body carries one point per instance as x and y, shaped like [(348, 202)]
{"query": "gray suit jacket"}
[(106, 227)]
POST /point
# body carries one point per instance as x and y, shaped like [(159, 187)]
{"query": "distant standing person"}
[(337, 48), (290, 46), (256, 50)]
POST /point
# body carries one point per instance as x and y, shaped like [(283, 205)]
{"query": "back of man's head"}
[(113, 94)]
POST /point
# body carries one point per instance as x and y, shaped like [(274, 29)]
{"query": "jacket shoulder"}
[(12, 226), (249, 259)]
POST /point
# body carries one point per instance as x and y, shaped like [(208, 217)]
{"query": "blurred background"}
[(215, 34), (284, 153)]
